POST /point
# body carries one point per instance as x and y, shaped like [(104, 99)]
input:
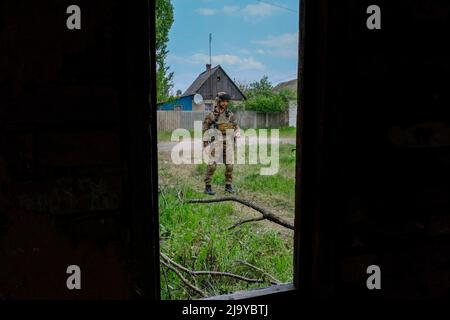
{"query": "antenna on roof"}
[(210, 40)]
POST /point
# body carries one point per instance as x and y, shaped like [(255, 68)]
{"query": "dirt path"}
[(185, 174)]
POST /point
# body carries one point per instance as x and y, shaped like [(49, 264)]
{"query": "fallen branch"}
[(240, 222), (275, 280), (167, 284), (211, 273), (185, 281), (266, 213)]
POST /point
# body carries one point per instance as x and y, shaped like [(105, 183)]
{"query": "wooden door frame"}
[(143, 151)]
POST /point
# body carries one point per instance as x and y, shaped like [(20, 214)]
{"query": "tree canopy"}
[(261, 96), (164, 21)]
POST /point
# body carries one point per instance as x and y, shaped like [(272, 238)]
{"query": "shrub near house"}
[(263, 98)]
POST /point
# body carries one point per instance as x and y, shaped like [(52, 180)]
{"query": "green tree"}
[(164, 21), (287, 95), (261, 97), (262, 87), (233, 107)]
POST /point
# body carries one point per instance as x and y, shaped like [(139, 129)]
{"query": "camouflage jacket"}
[(215, 118)]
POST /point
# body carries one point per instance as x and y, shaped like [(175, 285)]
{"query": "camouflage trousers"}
[(212, 166)]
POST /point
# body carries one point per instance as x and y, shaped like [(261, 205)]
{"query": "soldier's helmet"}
[(223, 96)]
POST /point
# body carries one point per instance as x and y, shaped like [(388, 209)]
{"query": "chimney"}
[(208, 67)]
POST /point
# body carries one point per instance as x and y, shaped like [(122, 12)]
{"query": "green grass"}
[(285, 132), (167, 135), (288, 132), (164, 136), (197, 235)]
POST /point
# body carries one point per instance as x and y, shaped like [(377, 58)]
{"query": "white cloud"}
[(230, 9), (284, 40), (258, 11), (251, 64), (285, 53), (282, 46), (251, 12), (201, 58), (225, 60), (206, 11), (280, 53)]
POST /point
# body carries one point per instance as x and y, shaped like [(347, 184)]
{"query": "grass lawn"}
[(286, 132), (167, 135), (197, 236)]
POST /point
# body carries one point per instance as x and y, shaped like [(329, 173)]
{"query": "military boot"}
[(208, 190), (229, 188)]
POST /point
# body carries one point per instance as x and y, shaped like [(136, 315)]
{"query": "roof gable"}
[(202, 79), (198, 83)]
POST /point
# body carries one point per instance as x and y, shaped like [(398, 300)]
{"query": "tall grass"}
[(197, 235)]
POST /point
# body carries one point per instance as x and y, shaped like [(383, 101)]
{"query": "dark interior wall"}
[(375, 139), (67, 191), (376, 116)]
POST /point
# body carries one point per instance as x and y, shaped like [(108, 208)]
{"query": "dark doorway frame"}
[(144, 155)]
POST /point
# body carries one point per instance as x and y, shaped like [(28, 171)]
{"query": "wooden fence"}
[(171, 120)]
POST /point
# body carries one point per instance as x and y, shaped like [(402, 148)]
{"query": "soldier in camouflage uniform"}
[(222, 119)]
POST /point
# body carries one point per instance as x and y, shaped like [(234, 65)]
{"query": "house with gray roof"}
[(207, 84)]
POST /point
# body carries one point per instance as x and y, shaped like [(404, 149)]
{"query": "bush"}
[(262, 98), (233, 107), (265, 103)]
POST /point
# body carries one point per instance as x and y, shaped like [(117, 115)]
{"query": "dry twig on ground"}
[(266, 214), (211, 273), (184, 280)]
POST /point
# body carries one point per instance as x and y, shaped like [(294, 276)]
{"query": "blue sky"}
[(250, 39)]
